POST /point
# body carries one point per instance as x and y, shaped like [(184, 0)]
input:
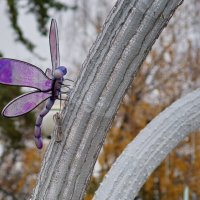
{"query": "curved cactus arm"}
[(149, 148)]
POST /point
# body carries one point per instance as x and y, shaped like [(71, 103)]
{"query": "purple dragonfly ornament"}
[(47, 85)]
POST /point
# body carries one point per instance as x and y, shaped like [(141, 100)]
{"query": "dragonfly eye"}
[(60, 72), (63, 69)]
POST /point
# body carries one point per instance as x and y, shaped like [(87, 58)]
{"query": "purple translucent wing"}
[(54, 45), (24, 103), (48, 73), (15, 72)]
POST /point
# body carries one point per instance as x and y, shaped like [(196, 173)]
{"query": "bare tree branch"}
[(8, 194), (127, 36)]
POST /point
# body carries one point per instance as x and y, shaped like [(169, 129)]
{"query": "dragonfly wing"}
[(48, 73), (54, 45), (16, 72), (24, 103)]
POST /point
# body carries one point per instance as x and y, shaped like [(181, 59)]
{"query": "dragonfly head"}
[(60, 72)]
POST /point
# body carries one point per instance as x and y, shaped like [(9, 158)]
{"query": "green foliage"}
[(40, 9), (1, 54), (13, 128), (13, 15), (92, 187)]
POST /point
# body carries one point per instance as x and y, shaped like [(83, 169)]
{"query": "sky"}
[(16, 50), (12, 49)]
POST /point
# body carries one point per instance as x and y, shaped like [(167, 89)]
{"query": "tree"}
[(19, 168), (14, 135), (12, 130), (40, 9), (128, 35)]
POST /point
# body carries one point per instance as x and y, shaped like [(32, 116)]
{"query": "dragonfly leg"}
[(64, 85), (66, 99), (66, 79), (66, 96), (65, 92)]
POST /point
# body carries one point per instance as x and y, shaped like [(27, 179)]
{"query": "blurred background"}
[(171, 70)]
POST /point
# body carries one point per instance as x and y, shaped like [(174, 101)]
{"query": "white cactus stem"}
[(149, 148)]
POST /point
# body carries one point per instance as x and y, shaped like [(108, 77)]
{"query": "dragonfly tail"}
[(38, 123)]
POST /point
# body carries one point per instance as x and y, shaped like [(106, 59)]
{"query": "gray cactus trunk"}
[(126, 38)]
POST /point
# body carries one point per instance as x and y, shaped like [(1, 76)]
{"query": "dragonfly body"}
[(55, 90), (15, 72), (57, 81)]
